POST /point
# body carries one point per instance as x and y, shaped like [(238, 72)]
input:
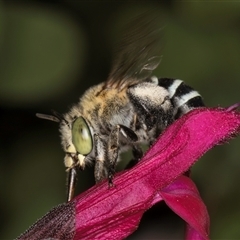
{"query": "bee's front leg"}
[(100, 171), (129, 137)]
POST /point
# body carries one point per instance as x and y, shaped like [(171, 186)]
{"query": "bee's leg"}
[(100, 171), (113, 147), (72, 180)]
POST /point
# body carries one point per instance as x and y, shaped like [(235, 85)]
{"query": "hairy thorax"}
[(106, 108)]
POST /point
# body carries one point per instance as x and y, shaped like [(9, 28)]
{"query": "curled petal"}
[(183, 198)]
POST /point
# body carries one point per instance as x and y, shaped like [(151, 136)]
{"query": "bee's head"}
[(76, 138)]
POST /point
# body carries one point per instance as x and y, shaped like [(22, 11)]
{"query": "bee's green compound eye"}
[(81, 136)]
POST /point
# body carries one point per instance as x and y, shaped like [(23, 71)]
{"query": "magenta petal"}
[(183, 198)]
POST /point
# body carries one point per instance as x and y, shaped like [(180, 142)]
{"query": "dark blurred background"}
[(52, 51)]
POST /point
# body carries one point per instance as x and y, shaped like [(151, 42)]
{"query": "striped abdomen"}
[(183, 97)]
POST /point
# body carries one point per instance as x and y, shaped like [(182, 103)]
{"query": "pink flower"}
[(103, 213)]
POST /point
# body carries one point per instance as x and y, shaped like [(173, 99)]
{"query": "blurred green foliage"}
[(51, 51)]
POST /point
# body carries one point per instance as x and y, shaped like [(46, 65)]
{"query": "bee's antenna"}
[(56, 117), (48, 117)]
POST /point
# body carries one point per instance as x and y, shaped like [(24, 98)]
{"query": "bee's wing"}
[(138, 53)]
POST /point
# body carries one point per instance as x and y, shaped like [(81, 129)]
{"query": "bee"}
[(129, 109)]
